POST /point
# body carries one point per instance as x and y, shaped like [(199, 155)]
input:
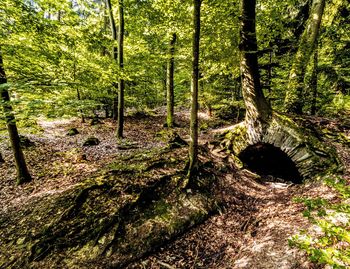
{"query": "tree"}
[(170, 82), (114, 52), (121, 84), (193, 150), (294, 97), (313, 83), (258, 110), (265, 131), (21, 167)]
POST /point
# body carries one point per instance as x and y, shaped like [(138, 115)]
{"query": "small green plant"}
[(328, 240)]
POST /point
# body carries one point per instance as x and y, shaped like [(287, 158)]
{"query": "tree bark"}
[(121, 84), (193, 149), (313, 83), (170, 82), (77, 90), (294, 96), (258, 110), (21, 166), (114, 53)]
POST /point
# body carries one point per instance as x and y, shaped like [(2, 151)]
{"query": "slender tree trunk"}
[(170, 82), (193, 150), (59, 15), (164, 82), (294, 97), (269, 73), (114, 53), (21, 167), (115, 105), (121, 84), (1, 158), (77, 89), (105, 24), (258, 111), (313, 82), (80, 110)]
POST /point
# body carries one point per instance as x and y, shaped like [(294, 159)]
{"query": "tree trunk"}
[(21, 167), (313, 82), (1, 158), (77, 89), (121, 85), (258, 111), (193, 150), (115, 106), (105, 24), (294, 96), (170, 82), (114, 53)]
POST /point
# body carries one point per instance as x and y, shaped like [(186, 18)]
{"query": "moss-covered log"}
[(106, 221)]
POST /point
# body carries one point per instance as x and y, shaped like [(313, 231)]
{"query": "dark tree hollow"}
[(268, 160)]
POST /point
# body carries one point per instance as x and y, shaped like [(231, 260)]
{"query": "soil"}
[(257, 214)]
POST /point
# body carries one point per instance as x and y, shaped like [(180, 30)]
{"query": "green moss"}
[(126, 167), (236, 139)]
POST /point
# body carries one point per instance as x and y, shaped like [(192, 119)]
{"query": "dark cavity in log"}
[(268, 160)]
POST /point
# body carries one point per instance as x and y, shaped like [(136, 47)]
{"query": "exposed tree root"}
[(106, 221)]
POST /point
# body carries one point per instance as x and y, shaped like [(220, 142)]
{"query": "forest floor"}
[(257, 215)]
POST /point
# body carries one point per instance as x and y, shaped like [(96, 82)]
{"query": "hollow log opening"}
[(268, 160)]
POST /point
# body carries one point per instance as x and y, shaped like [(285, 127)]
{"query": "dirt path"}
[(251, 232)]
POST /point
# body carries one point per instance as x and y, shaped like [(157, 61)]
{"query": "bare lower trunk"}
[(81, 111), (21, 166), (121, 85), (78, 92), (313, 83), (193, 150), (114, 54), (258, 111), (170, 83), (115, 108)]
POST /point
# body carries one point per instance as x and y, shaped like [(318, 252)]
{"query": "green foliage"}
[(339, 106), (328, 242), (58, 54)]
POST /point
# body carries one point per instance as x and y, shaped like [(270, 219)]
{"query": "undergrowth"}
[(328, 241)]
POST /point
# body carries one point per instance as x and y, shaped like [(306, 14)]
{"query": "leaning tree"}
[(267, 141), (23, 174)]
